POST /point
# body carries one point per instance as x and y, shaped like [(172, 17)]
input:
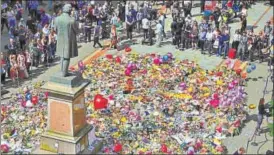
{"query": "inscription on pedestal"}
[(61, 112)]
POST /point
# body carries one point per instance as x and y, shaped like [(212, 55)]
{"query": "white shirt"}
[(145, 23), (236, 37), (92, 2), (46, 31), (244, 12), (209, 36), (159, 28)]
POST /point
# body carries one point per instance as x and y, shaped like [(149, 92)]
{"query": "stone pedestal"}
[(67, 130)]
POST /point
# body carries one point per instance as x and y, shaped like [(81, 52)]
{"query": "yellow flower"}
[(123, 119)]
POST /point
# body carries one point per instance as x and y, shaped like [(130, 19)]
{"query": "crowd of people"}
[(33, 40)]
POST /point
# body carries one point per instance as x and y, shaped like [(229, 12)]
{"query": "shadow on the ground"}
[(252, 117)]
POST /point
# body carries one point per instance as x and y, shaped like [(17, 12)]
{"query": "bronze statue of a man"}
[(67, 29)]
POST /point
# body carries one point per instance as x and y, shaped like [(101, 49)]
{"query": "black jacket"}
[(261, 109)]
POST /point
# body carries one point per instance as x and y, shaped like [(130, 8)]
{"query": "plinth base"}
[(57, 143)]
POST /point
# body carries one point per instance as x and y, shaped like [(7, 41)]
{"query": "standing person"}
[(194, 35), (173, 28), (22, 37), (33, 9), (242, 46), (202, 39), (31, 24), (97, 32), (162, 19), (87, 31), (4, 21), (145, 26), (243, 23), (178, 33), (187, 8), (202, 6), (139, 20), (52, 45), (129, 25), (216, 42), (96, 13), (159, 33), (261, 112), (45, 48), (113, 37), (187, 35), (236, 39), (14, 67), (28, 60), (22, 70), (3, 68), (34, 51), (226, 43), (209, 41), (217, 17), (267, 30)]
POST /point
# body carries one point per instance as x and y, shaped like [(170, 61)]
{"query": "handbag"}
[(216, 44)]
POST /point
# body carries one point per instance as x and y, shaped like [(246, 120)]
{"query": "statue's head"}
[(67, 8)]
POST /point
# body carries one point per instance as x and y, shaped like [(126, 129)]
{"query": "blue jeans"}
[(225, 49), (259, 121), (220, 48)]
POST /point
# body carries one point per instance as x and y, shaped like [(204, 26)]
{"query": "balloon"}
[(215, 96), (219, 73), (25, 89), (230, 86), (23, 104), (128, 49), (164, 148), (156, 61), (161, 60), (118, 148), (109, 56), (100, 102), (214, 103), (28, 96), (134, 66), (4, 148), (34, 100), (81, 65), (253, 66), (238, 71), (235, 82), (248, 70), (165, 58), (46, 94), (129, 66), (144, 71), (228, 62), (182, 85), (244, 75), (127, 72), (153, 55), (118, 60), (29, 104), (111, 97), (169, 54)]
